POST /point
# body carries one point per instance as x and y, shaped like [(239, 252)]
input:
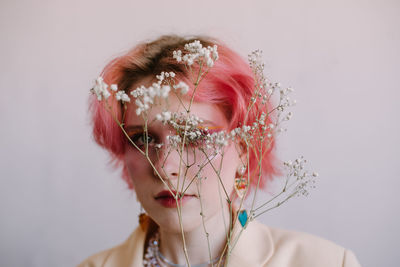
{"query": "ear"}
[(242, 149)]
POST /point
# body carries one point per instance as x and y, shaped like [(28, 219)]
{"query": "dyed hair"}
[(229, 84)]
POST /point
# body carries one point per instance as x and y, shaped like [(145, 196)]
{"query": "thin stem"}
[(258, 182), (198, 183), (179, 209), (194, 177), (108, 108), (277, 205), (219, 177), (276, 196)]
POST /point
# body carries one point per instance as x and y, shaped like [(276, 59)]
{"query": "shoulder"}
[(99, 259), (292, 248), (121, 255), (308, 250), (287, 238)]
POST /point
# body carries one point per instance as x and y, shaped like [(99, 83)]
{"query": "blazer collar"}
[(253, 245)]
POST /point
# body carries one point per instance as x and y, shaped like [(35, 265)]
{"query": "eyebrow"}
[(201, 126), (133, 127), (214, 126)]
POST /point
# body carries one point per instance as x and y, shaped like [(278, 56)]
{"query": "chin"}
[(170, 221)]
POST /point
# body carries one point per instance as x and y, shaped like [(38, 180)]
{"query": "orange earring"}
[(143, 219), (241, 183)]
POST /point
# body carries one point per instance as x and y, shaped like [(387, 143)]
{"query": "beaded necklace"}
[(154, 258)]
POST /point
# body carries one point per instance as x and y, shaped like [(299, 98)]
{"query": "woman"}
[(197, 140)]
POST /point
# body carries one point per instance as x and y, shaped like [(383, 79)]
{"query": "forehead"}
[(210, 113)]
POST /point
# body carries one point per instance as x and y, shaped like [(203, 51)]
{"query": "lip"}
[(167, 200)]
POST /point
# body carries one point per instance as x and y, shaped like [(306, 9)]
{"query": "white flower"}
[(139, 103), (161, 76), (164, 117), (214, 51), (147, 99), (141, 107), (216, 140), (125, 98), (100, 89), (192, 135), (138, 91), (220, 139), (114, 87), (106, 94), (164, 91), (158, 146), (206, 53), (174, 140), (122, 96), (289, 116), (189, 58), (183, 86), (288, 163), (196, 52), (194, 47), (262, 118), (193, 120), (177, 55), (210, 62), (246, 128), (145, 96)]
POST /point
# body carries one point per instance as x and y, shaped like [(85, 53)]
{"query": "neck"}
[(200, 249)]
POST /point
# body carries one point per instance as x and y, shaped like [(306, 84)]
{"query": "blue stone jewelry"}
[(243, 217)]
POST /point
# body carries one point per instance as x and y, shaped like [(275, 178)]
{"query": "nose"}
[(168, 165)]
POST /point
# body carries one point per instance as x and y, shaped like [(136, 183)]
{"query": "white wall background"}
[(59, 201)]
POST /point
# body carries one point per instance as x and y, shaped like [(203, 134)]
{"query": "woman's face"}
[(153, 193)]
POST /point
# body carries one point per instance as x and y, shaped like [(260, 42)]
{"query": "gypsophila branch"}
[(192, 142)]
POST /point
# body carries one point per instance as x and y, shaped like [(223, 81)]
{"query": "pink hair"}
[(229, 84)]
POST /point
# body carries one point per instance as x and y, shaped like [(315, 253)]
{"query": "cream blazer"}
[(258, 245)]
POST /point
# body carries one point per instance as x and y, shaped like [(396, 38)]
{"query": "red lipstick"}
[(166, 199)]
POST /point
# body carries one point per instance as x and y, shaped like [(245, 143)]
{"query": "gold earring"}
[(143, 219), (241, 183)]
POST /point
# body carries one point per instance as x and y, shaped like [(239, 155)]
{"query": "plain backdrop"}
[(59, 200)]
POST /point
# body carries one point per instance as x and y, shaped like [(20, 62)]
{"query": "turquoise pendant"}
[(242, 216)]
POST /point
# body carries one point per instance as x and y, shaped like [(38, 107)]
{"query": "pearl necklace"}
[(154, 258)]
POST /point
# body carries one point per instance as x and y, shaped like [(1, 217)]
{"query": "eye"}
[(140, 139)]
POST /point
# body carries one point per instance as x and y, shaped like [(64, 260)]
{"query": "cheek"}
[(229, 165), (136, 165)]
